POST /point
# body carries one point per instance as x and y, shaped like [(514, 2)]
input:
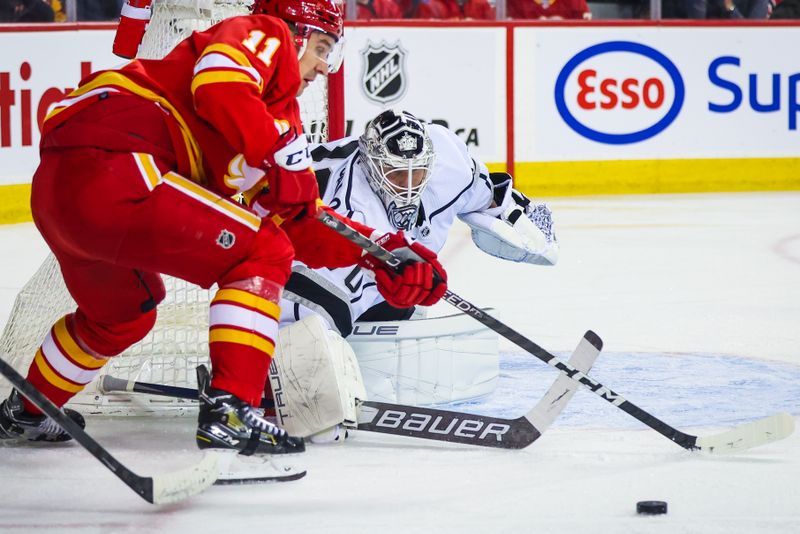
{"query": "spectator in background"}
[(98, 10), (475, 9), (25, 11), (378, 9), (548, 9), (447, 9), (726, 9), (786, 9)]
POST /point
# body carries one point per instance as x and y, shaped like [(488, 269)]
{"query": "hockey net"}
[(179, 340)]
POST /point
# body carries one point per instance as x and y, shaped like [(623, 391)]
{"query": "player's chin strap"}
[(757, 433)]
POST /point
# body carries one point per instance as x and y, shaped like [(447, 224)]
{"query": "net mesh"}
[(179, 340)]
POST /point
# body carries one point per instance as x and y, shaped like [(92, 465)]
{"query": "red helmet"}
[(306, 15)]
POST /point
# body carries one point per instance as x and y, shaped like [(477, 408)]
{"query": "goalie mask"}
[(305, 17), (398, 155)]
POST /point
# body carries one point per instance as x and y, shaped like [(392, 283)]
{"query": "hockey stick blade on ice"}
[(431, 423), (159, 489), (455, 427), (753, 434)]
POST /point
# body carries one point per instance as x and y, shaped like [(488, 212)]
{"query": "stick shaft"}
[(684, 440)]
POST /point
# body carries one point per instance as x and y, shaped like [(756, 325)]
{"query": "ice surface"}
[(697, 298)]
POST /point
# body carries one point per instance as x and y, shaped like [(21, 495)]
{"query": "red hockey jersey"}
[(227, 93), (230, 92)]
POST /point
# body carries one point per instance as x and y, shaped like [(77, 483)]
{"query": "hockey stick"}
[(753, 434), (431, 423), (160, 489)]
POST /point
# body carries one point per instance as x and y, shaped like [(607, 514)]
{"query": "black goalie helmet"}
[(398, 155)]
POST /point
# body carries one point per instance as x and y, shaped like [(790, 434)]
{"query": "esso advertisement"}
[(618, 93)]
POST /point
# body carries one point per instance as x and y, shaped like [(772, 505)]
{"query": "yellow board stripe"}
[(73, 351), (51, 375), (250, 300), (537, 179), (222, 76), (229, 335), (219, 203), (148, 168), (16, 204), (564, 178)]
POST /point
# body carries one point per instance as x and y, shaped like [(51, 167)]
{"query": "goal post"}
[(179, 340)]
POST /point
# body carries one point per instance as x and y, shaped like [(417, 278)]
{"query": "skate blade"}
[(257, 469)]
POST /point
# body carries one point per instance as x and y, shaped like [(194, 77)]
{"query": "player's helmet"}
[(306, 15), (398, 155)]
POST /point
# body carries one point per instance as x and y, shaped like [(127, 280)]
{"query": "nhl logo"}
[(384, 75), (226, 239)]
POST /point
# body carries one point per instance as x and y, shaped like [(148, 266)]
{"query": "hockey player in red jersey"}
[(137, 169)]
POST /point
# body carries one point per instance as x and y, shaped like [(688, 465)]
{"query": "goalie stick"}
[(432, 423), (756, 433), (160, 489)]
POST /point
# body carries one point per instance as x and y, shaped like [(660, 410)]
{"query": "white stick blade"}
[(755, 434), (180, 485), (563, 389)]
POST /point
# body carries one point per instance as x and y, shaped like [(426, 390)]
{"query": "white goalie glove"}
[(516, 229)]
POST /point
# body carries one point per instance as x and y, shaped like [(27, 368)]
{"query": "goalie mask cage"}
[(179, 340)]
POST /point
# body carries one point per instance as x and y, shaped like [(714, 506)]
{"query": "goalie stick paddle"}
[(160, 489), (432, 423), (763, 431)]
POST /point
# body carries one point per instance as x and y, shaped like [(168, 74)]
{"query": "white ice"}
[(697, 298)]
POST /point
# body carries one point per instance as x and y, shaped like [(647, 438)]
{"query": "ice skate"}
[(227, 422), (16, 424)]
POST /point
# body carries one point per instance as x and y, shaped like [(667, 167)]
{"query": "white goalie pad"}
[(315, 378), (522, 241), (426, 362)]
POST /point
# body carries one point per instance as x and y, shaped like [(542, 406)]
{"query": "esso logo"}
[(619, 92)]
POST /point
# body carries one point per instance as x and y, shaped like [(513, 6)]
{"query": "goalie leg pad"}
[(315, 379), (426, 362)]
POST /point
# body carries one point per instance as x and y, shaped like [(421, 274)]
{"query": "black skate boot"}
[(16, 424), (227, 422)]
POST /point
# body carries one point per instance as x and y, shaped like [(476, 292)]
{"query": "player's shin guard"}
[(74, 351), (243, 321), (63, 365)]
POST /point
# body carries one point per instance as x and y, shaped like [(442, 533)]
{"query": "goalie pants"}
[(115, 220)]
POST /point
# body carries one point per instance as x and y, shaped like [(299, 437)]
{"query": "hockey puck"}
[(651, 507)]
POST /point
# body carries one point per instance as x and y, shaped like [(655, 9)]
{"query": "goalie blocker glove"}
[(515, 229), (421, 278)]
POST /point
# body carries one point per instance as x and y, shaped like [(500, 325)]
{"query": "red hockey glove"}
[(422, 280), (281, 195), (293, 190), (130, 31)]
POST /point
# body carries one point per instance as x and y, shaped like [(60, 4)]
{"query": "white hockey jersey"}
[(458, 184)]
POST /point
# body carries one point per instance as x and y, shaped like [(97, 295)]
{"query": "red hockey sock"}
[(243, 330), (61, 368)]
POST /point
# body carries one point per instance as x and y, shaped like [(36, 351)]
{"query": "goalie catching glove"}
[(421, 280), (291, 189), (514, 229)]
